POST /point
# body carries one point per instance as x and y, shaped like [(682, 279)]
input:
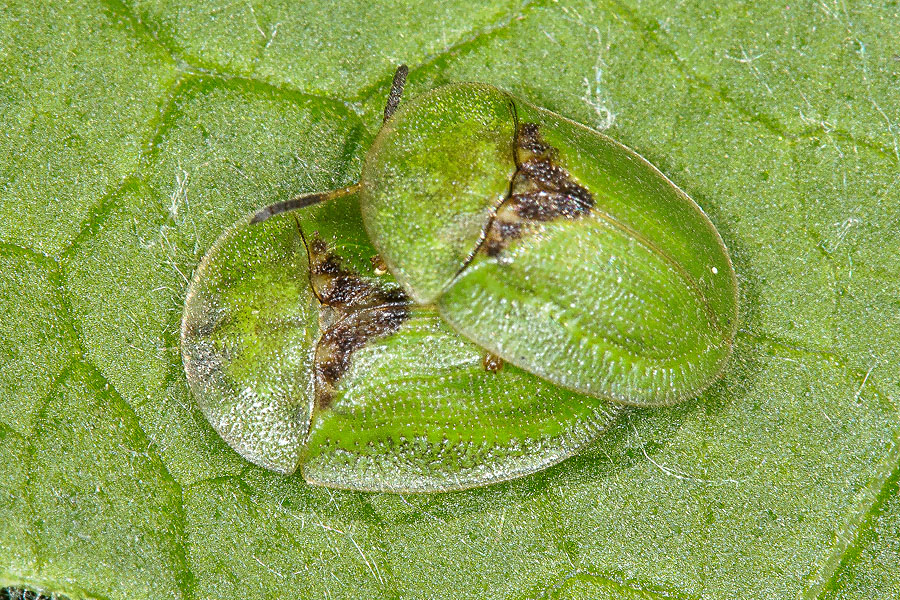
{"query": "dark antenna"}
[(301, 202), (305, 200), (396, 91)]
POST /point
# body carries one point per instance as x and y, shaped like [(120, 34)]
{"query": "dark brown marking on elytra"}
[(493, 245), (343, 290), (553, 178), (362, 311), (346, 336), (491, 362), (529, 139), (340, 287), (329, 266), (509, 229), (545, 206), (541, 191), (499, 232)]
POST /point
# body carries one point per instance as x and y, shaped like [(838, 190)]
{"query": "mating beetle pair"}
[(479, 306)]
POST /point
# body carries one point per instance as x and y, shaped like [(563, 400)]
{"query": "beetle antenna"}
[(396, 91), (301, 201)]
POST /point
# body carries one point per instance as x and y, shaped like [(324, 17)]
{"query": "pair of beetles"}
[(500, 283)]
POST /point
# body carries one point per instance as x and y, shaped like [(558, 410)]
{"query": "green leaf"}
[(133, 134)]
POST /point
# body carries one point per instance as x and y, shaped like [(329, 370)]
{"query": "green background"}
[(132, 134)]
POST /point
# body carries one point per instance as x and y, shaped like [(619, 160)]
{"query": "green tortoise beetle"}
[(549, 244), (304, 353)]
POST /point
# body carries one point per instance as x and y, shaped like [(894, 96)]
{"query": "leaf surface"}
[(134, 133)]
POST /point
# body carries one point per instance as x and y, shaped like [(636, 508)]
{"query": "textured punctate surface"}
[(598, 273), (780, 122), (248, 339), (418, 411), (436, 172)]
